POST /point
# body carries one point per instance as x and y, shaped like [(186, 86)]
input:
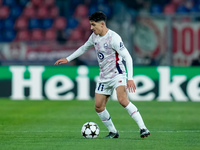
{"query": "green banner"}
[(161, 83)]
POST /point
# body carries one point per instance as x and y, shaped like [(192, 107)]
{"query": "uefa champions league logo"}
[(100, 55)]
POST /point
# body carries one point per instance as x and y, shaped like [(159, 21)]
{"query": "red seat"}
[(49, 2), (75, 35), (42, 12), (21, 23), (60, 23), (85, 24), (169, 9), (177, 2), (36, 2), (53, 12), (23, 35), (4, 12), (29, 12), (81, 11), (50, 35), (37, 35)]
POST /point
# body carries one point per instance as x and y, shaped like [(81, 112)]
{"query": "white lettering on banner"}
[(61, 87), (83, 88), (147, 85), (193, 88), (166, 88), (54, 92), (19, 83)]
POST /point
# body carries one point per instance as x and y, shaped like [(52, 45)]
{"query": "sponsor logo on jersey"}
[(100, 55)]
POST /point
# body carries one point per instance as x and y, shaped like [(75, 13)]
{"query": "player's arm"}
[(123, 52), (129, 65), (77, 53), (61, 61)]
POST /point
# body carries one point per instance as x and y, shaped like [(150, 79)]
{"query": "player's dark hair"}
[(98, 16)]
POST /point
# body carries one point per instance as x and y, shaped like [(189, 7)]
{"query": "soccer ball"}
[(90, 130)]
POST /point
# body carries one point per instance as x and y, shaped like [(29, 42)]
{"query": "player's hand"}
[(61, 61), (131, 86)]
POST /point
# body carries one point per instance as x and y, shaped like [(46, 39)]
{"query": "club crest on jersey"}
[(100, 55), (105, 45)]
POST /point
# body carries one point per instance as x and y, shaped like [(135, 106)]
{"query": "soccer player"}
[(110, 51)]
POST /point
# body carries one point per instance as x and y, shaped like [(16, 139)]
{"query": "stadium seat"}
[(81, 11), (177, 2), (75, 35), (1, 25), (37, 2), (74, 3), (42, 12), (72, 23), (23, 35), (195, 9), (86, 34), (156, 9), (105, 9), (37, 35), (50, 35), (23, 2), (53, 12), (60, 23), (93, 9), (1, 37), (9, 2), (15, 11), (9, 23), (9, 35), (182, 10), (46, 23), (29, 12), (21, 23), (169, 9), (4, 12), (84, 24), (49, 2), (34, 23)]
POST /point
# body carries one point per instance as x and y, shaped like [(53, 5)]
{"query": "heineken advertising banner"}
[(68, 83)]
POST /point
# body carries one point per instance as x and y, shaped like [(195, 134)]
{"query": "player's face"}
[(97, 27)]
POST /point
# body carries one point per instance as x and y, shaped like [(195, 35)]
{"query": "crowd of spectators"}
[(61, 21), (36, 20)]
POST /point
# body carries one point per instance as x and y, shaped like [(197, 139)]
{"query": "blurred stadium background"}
[(155, 32)]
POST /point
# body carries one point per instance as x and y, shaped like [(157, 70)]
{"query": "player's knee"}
[(123, 101), (99, 108)]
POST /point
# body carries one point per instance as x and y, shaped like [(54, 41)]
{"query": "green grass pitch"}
[(56, 125)]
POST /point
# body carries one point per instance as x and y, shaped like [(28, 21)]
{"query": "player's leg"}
[(100, 107), (132, 110)]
